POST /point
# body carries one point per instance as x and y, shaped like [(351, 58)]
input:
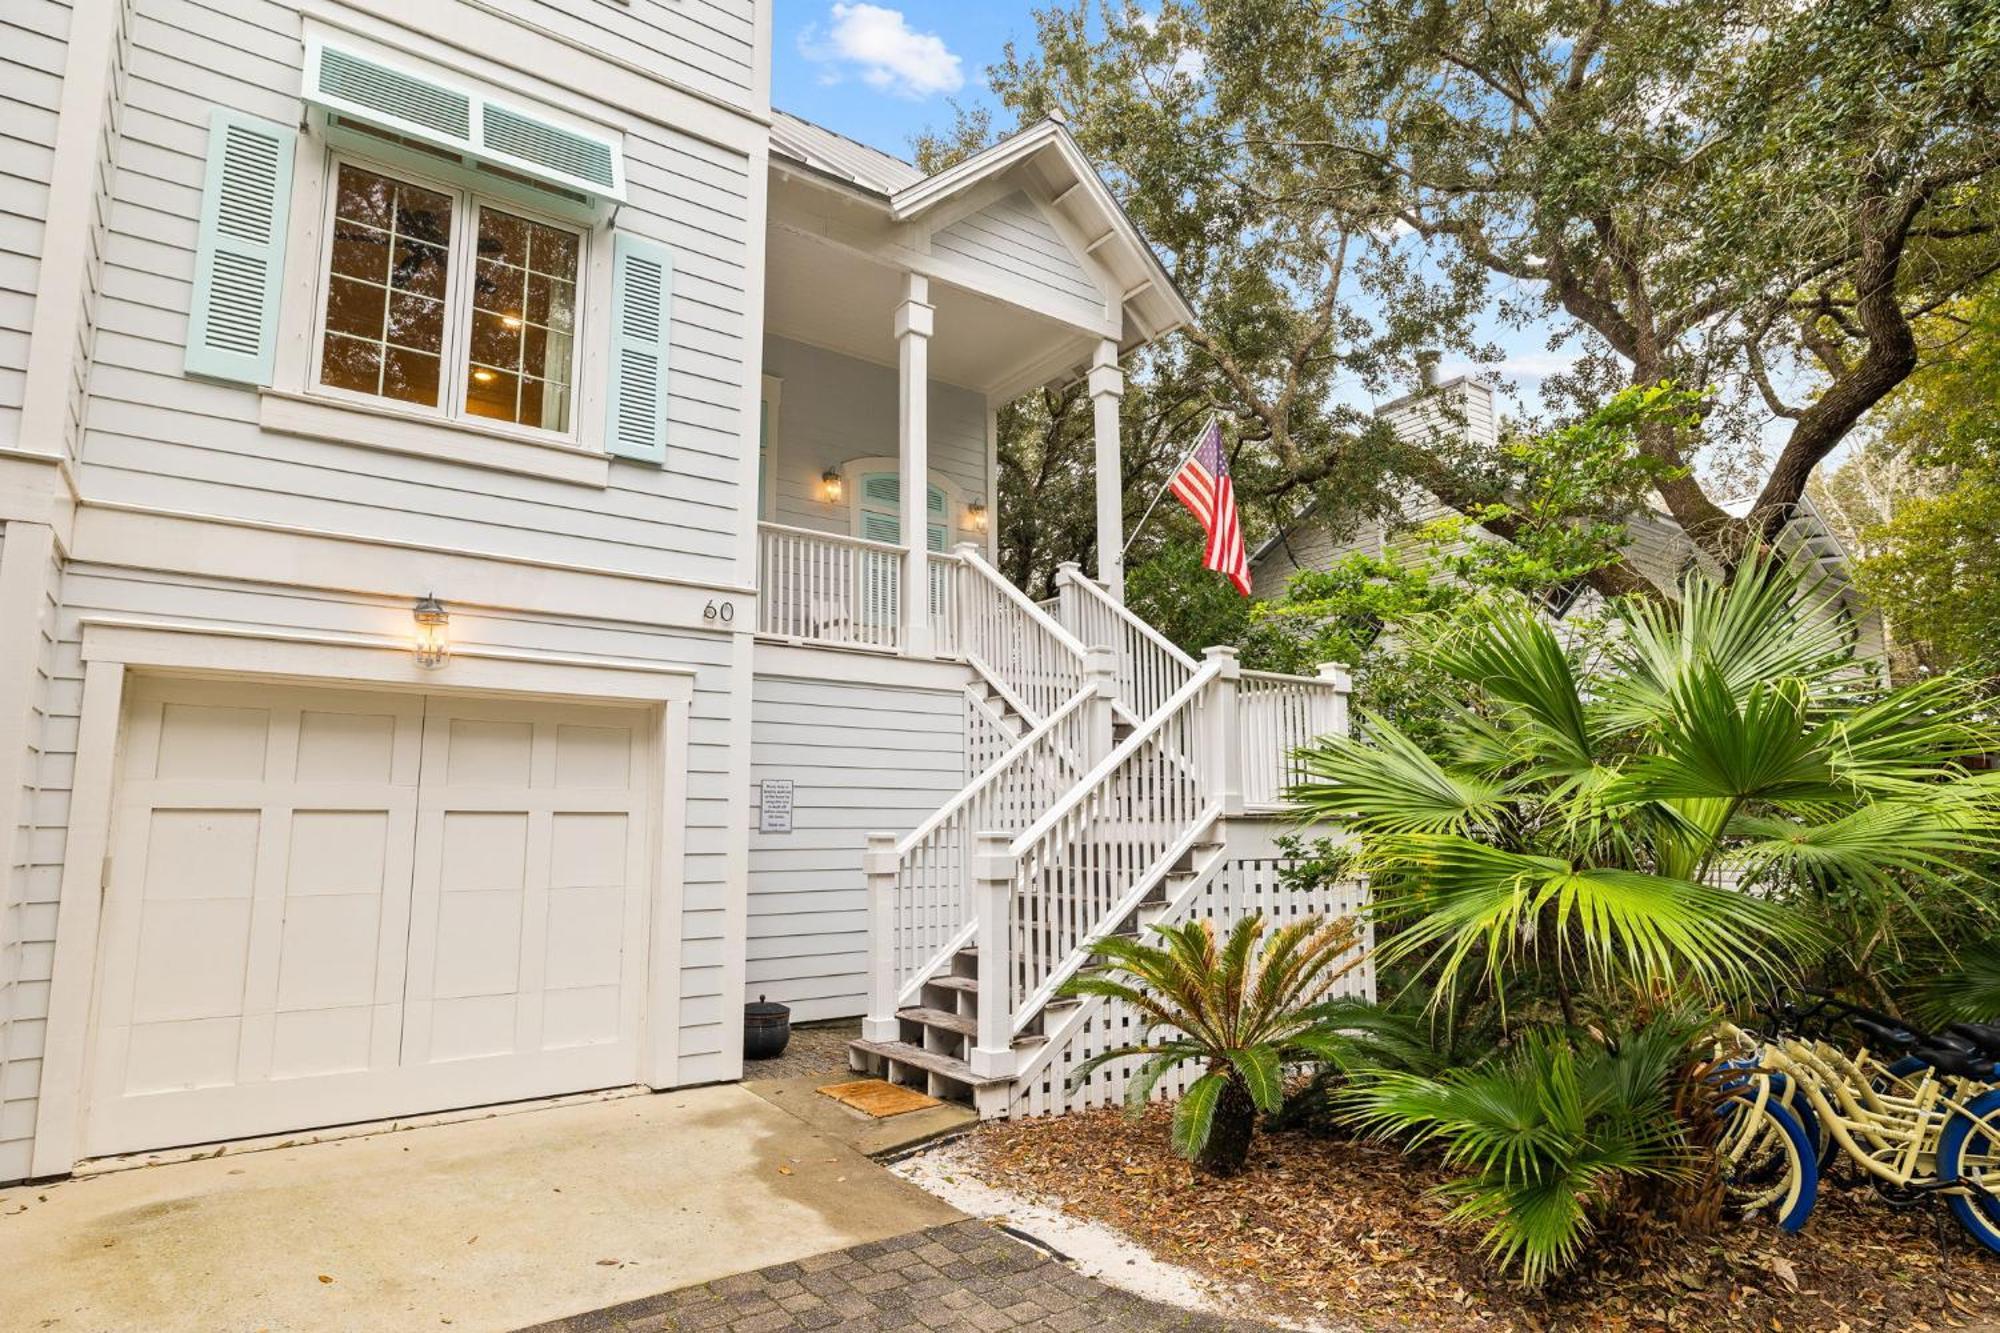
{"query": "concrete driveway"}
[(485, 1224)]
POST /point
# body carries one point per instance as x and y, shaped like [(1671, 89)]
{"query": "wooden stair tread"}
[(903, 1053), (955, 983), (939, 1018)]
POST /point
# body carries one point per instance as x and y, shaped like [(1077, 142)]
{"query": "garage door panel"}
[(344, 748), (393, 905), (210, 741), (485, 753), (193, 959)]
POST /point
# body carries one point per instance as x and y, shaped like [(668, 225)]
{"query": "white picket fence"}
[(1239, 888)]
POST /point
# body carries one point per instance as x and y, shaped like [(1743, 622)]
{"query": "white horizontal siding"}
[(706, 45), (833, 409), (862, 759), (28, 890), (1012, 238), (33, 49), (158, 438)]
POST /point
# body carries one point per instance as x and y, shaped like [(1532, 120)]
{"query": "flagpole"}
[(1161, 494)]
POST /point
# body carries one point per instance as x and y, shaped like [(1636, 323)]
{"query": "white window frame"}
[(463, 262)]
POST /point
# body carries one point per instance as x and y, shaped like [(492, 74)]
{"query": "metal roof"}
[(837, 155)]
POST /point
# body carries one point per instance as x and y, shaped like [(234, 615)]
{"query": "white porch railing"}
[(1088, 863), (1150, 667), (1030, 658), (919, 887), (1276, 715), (823, 587)]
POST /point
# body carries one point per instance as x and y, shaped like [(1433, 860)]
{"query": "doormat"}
[(872, 1096)]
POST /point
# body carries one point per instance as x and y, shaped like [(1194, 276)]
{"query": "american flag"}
[(1203, 485)]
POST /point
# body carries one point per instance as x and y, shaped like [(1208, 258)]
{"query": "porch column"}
[(913, 368), (1107, 386)]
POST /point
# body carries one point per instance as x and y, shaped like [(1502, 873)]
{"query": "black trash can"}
[(766, 1029)]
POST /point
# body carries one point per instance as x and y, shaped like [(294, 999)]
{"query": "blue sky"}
[(883, 72)]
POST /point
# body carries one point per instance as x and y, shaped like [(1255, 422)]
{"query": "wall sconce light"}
[(433, 646), (975, 516), (829, 485)]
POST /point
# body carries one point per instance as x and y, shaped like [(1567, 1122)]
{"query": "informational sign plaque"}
[(775, 804)]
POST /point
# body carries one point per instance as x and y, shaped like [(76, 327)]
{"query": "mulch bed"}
[(1348, 1232)]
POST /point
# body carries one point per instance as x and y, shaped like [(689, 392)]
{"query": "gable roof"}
[(910, 194)]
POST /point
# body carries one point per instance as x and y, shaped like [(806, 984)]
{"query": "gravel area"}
[(815, 1048)]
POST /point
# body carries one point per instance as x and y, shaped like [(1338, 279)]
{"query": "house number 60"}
[(723, 611)]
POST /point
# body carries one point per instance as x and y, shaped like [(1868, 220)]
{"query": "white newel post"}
[(914, 321), (1068, 612), (1224, 740), (1100, 677), (1341, 683), (992, 893), (878, 864), (1107, 386)]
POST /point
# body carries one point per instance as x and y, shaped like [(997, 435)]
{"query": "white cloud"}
[(882, 49)]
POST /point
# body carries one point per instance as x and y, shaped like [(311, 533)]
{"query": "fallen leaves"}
[(1343, 1229)]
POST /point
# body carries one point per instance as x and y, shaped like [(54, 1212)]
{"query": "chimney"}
[(1427, 368)]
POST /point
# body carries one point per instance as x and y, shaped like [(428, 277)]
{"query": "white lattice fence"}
[(1241, 887)]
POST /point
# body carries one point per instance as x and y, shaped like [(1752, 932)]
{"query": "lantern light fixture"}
[(830, 485), (975, 516), (433, 645)]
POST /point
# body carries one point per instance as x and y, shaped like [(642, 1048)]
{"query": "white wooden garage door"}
[(326, 906)]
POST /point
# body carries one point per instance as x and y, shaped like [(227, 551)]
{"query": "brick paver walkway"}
[(967, 1277)]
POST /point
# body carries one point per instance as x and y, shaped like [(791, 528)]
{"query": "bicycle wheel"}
[(1769, 1163), (1969, 1149)]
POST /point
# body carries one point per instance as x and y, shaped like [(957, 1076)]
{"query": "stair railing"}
[(1086, 865), (1150, 667), (919, 888), (1276, 715), (1029, 657)]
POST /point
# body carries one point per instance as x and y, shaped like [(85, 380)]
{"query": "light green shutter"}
[(642, 283), (240, 248), (882, 515)]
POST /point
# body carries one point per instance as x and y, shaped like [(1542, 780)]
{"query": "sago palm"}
[(1244, 1009), (1663, 821)]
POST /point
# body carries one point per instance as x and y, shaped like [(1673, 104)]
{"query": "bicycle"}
[(1924, 1124)]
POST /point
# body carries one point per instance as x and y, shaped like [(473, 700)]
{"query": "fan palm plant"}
[(1687, 823), (1242, 1011), (1665, 822), (1548, 1135)]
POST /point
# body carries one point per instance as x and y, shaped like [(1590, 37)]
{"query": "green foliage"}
[(1967, 990), (1573, 829), (1194, 607), (1923, 501), (1244, 1009), (1549, 1135)]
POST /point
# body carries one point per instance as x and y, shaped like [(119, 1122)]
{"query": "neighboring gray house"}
[(493, 534), (1656, 545)]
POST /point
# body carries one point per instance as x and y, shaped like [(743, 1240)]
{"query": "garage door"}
[(326, 906)]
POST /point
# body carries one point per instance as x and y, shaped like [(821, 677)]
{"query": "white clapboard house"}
[(1656, 546), (495, 572)]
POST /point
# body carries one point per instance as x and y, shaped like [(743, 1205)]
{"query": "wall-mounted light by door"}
[(433, 622), (975, 516), (830, 486)]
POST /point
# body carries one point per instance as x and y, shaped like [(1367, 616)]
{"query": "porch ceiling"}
[(827, 295)]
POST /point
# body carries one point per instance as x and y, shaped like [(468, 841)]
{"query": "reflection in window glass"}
[(385, 304), (523, 321)]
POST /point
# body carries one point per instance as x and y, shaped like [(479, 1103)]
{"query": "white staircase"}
[(1110, 766)]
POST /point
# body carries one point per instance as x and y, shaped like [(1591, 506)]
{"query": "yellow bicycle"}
[(1923, 1123)]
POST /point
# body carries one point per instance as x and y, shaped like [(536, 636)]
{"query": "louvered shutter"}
[(240, 248), (642, 281)]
